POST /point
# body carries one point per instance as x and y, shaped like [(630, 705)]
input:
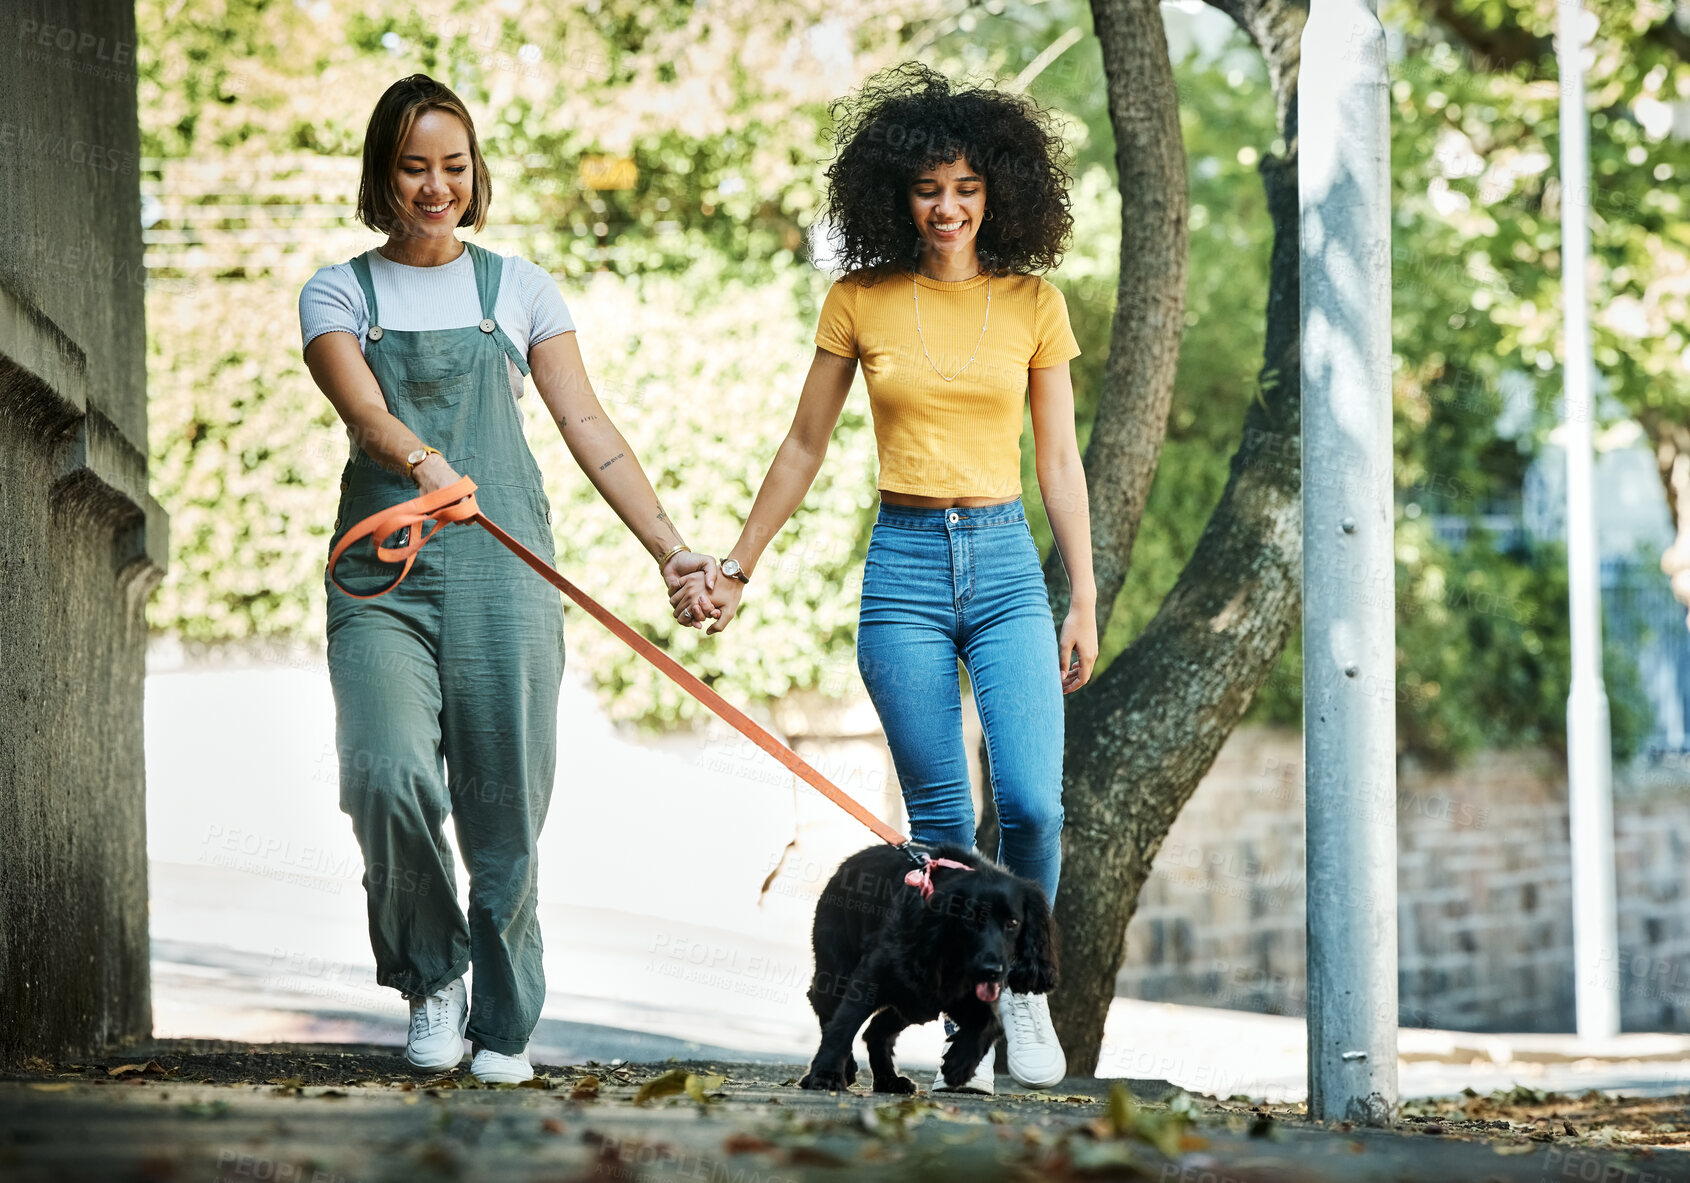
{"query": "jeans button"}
[(953, 519)]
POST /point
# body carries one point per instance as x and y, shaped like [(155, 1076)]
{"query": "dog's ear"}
[(1034, 971)]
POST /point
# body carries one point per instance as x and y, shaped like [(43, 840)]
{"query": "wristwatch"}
[(416, 458), (732, 569)]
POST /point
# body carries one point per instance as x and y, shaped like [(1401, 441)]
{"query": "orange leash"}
[(456, 503)]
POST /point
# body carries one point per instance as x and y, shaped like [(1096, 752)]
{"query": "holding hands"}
[(690, 577), (694, 597)]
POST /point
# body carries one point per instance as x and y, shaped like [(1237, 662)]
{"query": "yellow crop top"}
[(960, 438)]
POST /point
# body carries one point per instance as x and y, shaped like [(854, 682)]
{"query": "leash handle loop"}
[(453, 503)]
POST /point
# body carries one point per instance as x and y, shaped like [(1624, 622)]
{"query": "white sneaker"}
[(981, 1082), (491, 1067), (437, 1028), (1035, 1057)]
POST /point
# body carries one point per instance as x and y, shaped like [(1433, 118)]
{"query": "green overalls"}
[(462, 662)]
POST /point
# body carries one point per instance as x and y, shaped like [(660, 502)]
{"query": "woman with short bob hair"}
[(421, 345), (945, 202)]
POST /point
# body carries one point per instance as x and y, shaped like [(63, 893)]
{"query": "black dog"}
[(889, 949)]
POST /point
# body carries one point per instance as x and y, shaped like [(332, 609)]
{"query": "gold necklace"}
[(916, 289)]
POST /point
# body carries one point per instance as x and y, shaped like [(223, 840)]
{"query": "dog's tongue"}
[(986, 991)]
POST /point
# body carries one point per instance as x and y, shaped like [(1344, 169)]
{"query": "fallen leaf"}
[(151, 1068), (1128, 1119), (287, 1082), (536, 1082), (586, 1089), (743, 1143), (698, 1087), (671, 1082)]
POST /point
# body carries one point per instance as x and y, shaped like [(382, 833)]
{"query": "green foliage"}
[(1483, 653), (700, 373), (246, 454)]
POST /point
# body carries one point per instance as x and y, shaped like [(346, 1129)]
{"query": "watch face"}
[(417, 457)]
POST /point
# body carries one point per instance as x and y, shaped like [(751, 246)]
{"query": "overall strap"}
[(489, 271), (361, 268)]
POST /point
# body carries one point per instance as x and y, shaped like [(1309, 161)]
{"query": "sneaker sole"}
[(436, 1067), (1042, 1083)]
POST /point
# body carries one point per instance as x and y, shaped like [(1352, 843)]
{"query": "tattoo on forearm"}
[(664, 518), (611, 461)]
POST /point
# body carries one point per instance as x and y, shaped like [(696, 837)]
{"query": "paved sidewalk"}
[(345, 1114), (660, 949)]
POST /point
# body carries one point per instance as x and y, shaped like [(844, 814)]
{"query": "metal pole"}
[(1349, 576), (1590, 813)]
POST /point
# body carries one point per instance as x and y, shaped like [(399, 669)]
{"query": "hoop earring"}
[(988, 213)]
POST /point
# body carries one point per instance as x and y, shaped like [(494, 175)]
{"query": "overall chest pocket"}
[(440, 412)]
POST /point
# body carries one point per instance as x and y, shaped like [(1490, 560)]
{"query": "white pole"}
[(1590, 812), (1349, 575)]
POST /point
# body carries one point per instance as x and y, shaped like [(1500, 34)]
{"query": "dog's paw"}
[(897, 1084), (832, 1082)]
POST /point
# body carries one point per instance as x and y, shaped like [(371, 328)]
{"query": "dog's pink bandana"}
[(922, 876)]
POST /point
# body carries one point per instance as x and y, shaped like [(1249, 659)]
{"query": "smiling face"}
[(948, 203), (434, 174)]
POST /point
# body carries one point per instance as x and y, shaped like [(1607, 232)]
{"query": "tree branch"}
[(1138, 378), (1140, 740)]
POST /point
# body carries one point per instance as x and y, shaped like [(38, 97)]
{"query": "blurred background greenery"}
[(696, 291)]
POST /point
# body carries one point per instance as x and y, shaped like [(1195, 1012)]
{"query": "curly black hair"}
[(908, 119)]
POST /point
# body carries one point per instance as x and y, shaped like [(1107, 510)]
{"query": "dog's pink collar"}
[(922, 876)]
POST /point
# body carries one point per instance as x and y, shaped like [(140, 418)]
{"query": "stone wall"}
[(1484, 908), (81, 540)]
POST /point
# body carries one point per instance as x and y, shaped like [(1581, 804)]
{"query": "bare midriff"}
[(917, 501)]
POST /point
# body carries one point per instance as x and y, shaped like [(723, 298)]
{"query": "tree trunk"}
[(1143, 735), (1138, 378)]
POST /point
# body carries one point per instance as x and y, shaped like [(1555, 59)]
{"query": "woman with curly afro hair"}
[(946, 203)]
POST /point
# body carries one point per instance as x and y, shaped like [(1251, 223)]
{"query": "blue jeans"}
[(944, 584)]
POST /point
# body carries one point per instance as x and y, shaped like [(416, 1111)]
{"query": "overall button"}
[(375, 333), (487, 326)]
